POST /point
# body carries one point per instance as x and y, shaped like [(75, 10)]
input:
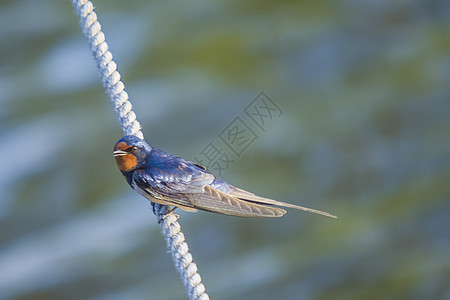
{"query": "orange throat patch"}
[(126, 162)]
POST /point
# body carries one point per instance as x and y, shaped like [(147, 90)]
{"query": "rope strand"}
[(115, 89)]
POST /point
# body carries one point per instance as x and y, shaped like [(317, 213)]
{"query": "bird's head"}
[(130, 153)]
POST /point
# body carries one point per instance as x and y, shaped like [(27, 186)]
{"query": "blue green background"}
[(365, 134)]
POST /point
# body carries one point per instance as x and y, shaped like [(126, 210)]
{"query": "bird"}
[(173, 181)]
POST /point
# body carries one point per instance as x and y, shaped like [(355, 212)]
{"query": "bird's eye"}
[(134, 149)]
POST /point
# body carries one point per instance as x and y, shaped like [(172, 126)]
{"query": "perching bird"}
[(170, 180)]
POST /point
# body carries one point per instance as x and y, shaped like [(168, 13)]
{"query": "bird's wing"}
[(171, 181), (217, 201), (194, 192)]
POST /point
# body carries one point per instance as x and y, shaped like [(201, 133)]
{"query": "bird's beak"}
[(120, 153)]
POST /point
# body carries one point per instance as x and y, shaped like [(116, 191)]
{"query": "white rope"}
[(180, 253), (116, 91), (107, 67)]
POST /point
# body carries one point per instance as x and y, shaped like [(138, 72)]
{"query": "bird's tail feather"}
[(244, 195)]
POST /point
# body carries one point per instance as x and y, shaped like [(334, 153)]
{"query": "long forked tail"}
[(244, 195), (319, 212)]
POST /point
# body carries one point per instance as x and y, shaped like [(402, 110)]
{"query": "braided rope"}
[(115, 89), (107, 67), (179, 249)]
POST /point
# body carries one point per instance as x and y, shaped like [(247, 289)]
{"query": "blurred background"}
[(364, 133)]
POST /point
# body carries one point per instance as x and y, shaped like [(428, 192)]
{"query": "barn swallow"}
[(170, 180)]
